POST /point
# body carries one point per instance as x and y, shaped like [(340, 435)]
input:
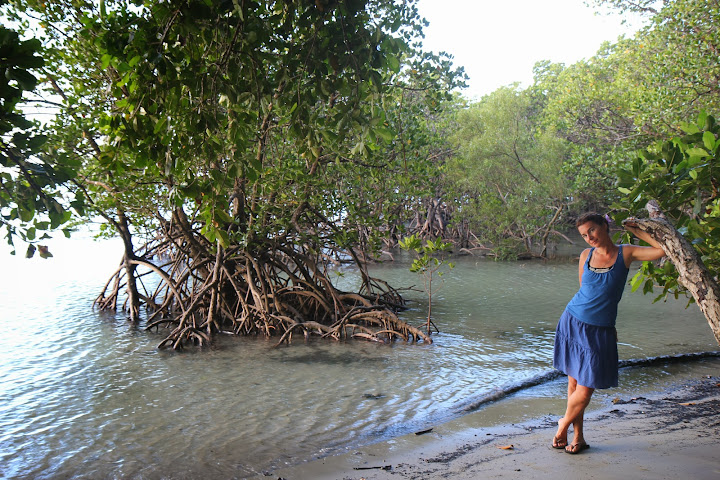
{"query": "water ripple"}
[(87, 395)]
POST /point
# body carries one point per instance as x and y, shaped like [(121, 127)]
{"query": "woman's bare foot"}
[(575, 448), (559, 443), (560, 438)]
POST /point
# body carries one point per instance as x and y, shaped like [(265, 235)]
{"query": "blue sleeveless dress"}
[(586, 339)]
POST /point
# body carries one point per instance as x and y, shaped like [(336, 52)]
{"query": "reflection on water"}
[(86, 395)]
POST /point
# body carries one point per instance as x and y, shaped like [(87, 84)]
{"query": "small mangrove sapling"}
[(428, 262)]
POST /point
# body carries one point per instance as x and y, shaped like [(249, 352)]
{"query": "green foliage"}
[(668, 71), (672, 66), (630, 94), (255, 118), (425, 262), (428, 262), (507, 172), (32, 201), (636, 6), (683, 175), (588, 104)]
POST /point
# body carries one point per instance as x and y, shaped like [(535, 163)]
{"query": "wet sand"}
[(674, 434)]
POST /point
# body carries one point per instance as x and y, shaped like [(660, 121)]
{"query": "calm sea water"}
[(85, 394)]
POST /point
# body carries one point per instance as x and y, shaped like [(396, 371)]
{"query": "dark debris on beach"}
[(699, 400)]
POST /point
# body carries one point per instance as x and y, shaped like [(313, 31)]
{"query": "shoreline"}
[(668, 434)]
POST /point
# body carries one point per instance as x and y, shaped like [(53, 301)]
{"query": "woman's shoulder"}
[(627, 251)]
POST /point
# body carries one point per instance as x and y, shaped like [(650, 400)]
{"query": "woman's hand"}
[(635, 252), (631, 226)]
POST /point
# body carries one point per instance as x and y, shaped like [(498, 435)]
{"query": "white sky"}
[(499, 41)]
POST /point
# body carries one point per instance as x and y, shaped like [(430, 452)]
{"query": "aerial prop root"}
[(273, 294)]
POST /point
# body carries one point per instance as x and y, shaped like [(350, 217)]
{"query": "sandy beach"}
[(669, 435)]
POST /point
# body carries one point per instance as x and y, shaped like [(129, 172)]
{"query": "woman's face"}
[(593, 233)]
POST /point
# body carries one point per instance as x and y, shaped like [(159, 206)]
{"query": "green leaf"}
[(409, 243), (105, 60), (222, 216), (329, 136), (698, 152), (160, 124), (25, 79), (393, 63), (124, 80), (680, 166), (689, 128), (636, 281), (26, 212), (709, 140), (209, 233), (385, 133), (123, 67), (223, 237), (37, 141)]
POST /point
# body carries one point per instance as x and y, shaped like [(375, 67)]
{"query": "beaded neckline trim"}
[(600, 270)]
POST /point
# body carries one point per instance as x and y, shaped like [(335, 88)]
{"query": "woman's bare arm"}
[(636, 252), (583, 257)]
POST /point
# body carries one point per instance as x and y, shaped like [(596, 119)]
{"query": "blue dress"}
[(586, 339)]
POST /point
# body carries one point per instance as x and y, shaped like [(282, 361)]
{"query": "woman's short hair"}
[(593, 217)]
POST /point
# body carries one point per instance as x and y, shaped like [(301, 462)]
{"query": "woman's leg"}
[(578, 421), (560, 439), (578, 399)]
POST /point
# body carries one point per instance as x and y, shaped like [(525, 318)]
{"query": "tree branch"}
[(692, 272)]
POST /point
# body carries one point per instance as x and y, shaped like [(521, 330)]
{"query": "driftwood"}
[(692, 272)]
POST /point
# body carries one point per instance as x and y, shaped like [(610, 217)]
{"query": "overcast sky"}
[(499, 41)]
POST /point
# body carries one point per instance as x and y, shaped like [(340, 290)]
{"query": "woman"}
[(586, 339)]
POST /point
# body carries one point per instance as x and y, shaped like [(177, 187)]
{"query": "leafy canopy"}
[(31, 197), (251, 117), (683, 175)]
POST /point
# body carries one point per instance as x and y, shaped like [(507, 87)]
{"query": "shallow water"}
[(86, 395)]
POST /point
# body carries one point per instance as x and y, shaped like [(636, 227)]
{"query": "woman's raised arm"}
[(636, 252)]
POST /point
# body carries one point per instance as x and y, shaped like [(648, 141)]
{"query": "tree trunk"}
[(133, 299), (427, 228), (550, 224), (693, 274)]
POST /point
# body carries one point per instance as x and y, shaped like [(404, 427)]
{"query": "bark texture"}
[(693, 274)]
